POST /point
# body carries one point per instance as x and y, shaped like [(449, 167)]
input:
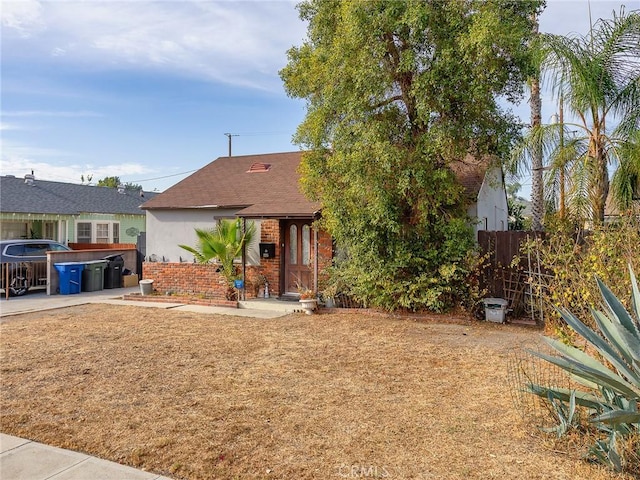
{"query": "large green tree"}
[(114, 182), (396, 91)]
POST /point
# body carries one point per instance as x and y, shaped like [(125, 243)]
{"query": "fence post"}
[(5, 273)]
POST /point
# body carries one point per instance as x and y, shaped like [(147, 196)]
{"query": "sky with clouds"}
[(147, 90)]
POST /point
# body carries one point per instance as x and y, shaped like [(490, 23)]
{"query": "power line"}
[(165, 176), (256, 134)]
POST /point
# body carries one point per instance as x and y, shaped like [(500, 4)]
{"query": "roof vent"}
[(259, 167), (29, 178), (121, 189)]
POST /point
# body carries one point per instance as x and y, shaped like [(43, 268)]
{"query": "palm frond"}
[(578, 189)]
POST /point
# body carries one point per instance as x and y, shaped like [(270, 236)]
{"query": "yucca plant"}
[(612, 378)]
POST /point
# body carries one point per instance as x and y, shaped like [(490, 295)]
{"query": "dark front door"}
[(297, 255)]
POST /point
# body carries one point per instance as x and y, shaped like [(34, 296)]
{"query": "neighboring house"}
[(611, 211), (69, 213), (265, 189), (483, 182)]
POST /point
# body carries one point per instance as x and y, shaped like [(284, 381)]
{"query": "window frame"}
[(112, 227)]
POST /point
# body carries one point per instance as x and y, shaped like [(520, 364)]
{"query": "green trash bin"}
[(93, 276)]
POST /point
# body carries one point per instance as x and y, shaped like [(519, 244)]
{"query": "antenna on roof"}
[(229, 135)]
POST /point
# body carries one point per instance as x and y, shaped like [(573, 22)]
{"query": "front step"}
[(271, 304)]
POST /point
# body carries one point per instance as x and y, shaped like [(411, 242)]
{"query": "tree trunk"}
[(562, 166), (537, 195), (600, 188)]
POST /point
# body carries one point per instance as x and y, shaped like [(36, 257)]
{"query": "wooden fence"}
[(102, 246), (503, 277)]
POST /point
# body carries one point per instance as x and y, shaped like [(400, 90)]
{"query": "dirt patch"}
[(199, 396)]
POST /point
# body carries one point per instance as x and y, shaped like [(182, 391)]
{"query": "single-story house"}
[(265, 189), (70, 213)]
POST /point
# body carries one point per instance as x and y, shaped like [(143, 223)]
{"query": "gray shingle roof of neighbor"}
[(45, 197)]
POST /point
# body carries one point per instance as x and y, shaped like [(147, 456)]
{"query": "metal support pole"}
[(244, 259), (229, 135), (315, 260)]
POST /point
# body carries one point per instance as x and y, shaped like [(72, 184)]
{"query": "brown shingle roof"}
[(470, 173), (273, 191), (228, 182)]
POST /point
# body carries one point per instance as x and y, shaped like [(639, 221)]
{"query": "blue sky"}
[(147, 90)]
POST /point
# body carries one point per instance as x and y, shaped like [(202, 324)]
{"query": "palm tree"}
[(537, 203), (223, 243), (625, 183), (599, 79)]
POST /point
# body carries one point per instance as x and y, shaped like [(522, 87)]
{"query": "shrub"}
[(569, 260)]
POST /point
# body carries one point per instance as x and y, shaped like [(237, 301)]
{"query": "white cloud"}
[(24, 17), (49, 113), (19, 166), (8, 126), (243, 43)]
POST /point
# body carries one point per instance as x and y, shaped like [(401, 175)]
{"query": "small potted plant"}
[(329, 295), (308, 300)]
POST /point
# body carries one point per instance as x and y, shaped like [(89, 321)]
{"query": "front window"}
[(293, 244), (116, 232), (98, 232), (102, 233), (306, 244), (84, 232)]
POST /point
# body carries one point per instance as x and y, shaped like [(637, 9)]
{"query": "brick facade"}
[(325, 256), (270, 267), (202, 280), (186, 279)]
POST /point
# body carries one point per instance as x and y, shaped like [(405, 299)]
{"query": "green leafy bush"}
[(424, 274)]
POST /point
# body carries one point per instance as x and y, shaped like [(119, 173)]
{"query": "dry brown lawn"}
[(199, 396)]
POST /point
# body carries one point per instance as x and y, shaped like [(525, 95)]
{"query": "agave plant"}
[(612, 380)]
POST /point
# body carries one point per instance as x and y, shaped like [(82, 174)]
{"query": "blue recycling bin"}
[(70, 274)]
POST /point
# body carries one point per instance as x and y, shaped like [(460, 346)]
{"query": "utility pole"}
[(229, 135)]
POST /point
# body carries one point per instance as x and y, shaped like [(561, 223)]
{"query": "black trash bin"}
[(113, 271)]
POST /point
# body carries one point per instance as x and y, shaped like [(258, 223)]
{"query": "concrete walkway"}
[(22, 459), (26, 460), (39, 301)]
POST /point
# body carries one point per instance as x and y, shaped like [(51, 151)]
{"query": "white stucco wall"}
[(491, 210), (166, 229)]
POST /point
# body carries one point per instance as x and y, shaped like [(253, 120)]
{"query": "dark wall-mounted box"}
[(268, 250)]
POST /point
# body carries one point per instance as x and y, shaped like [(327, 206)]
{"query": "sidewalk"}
[(26, 460), (39, 301)]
